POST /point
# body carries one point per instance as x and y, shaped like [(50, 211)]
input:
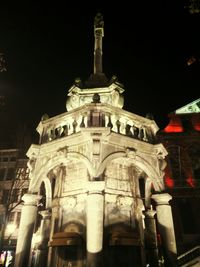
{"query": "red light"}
[(173, 129), (191, 182), (174, 126), (169, 182), (197, 127), (159, 239)]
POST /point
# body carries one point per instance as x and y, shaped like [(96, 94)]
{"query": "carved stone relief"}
[(119, 209), (76, 176), (117, 176)]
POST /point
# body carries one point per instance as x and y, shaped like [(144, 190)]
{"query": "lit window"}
[(169, 182), (22, 173)]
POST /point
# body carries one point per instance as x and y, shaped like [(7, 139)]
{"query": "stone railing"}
[(97, 115)]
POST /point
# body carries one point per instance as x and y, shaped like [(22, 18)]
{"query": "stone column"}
[(151, 237), (166, 227), (52, 256), (95, 213), (140, 219), (26, 227), (42, 250)]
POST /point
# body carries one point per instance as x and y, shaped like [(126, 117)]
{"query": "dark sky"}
[(47, 45)]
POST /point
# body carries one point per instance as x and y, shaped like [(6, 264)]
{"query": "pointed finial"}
[(98, 34)]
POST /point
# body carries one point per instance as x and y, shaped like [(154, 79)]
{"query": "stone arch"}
[(58, 159), (106, 160), (139, 162)]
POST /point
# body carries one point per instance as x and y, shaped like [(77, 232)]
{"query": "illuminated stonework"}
[(96, 167), (193, 107), (112, 94)]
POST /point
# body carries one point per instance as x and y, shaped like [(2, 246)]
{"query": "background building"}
[(13, 185), (181, 138)]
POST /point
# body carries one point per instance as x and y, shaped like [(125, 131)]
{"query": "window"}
[(2, 174), (15, 195), (22, 173), (12, 217), (194, 154), (5, 196), (10, 174)]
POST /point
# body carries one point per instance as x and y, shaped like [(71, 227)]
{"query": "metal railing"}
[(189, 256)]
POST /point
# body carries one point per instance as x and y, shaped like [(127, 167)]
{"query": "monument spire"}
[(98, 34)]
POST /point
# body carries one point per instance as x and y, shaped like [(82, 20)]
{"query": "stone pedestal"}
[(28, 217), (151, 237), (166, 227)]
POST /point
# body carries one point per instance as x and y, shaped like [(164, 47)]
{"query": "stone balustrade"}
[(97, 115)]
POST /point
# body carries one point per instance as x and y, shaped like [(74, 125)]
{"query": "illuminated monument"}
[(96, 186)]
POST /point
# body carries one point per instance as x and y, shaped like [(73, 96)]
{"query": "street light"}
[(6, 256)]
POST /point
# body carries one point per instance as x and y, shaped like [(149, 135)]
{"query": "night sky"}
[(146, 46)]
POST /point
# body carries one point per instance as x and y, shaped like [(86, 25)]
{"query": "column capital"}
[(31, 199), (149, 213), (46, 214), (162, 199)]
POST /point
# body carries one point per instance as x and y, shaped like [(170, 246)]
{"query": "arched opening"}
[(53, 184), (41, 205), (42, 202)]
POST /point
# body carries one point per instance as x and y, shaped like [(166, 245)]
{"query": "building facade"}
[(13, 185), (96, 194), (181, 138)]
